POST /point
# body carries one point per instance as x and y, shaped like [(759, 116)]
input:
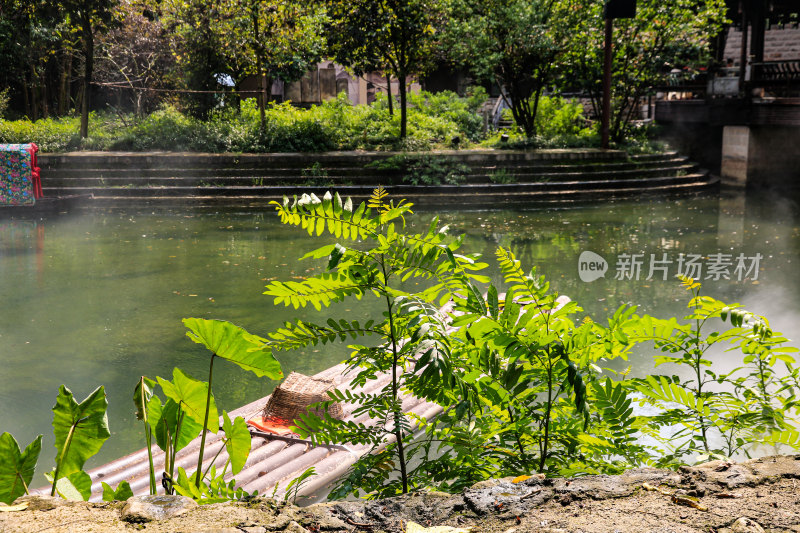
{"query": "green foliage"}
[(515, 44), (297, 483), (216, 490), (122, 493), (76, 486), (661, 36), (718, 414), (433, 120), (16, 468), (560, 123), (234, 344), (502, 175), (80, 430), (526, 395), (424, 169), (388, 35), (3, 102), (410, 325), (237, 441), (141, 397), (190, 395)]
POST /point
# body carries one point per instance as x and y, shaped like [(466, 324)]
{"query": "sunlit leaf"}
[(233, 343), (16, 468)]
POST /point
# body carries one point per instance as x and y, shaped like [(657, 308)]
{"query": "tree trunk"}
[(389, 94), (25, 99), (262, 78), (34, 96), (88, 53), (403, 111), (262, 98), (63, 89)]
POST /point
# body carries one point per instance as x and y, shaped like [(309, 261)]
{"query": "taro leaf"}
[(82, 427), (185, 486), (76, 486), (16, 469), (141, 396), (164, 419), (237, 442), (122, 493), (191, 394), (233, 343)]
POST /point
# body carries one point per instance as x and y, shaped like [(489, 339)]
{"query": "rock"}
[(745, 525), (294, 527), (43, 502), (320, 515), (252, 529), (603, 487), (221, 530), (486, 484), (724, 473), (157, 507)]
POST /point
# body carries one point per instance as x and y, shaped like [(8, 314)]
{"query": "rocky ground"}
[(750, 497)]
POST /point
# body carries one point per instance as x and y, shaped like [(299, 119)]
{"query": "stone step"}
[(477, 176), (304, 160), (428, 198), (281, 190), (278, 172)]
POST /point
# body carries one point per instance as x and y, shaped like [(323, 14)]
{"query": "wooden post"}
[(743, 54)]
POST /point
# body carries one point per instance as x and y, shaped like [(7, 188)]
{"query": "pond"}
[(96, 298)]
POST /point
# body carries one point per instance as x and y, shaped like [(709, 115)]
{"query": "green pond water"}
[(96, 298)]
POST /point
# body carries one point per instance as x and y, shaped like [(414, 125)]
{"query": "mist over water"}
[(96, 298)]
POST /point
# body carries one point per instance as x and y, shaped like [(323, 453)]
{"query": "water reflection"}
[(97, 298)]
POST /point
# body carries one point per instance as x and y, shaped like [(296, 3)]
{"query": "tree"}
[(395, 35), (513, 43), (275, 40), (661, 36), (87, 17), (198, 30), (36, 53), (133, 56)]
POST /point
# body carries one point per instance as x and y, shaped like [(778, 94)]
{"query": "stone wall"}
[(779, 44)]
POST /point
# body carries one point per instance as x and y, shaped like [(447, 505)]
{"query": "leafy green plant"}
[(527, 375), (236, 441), (122, 492), (190, 409), (758, 405), (178, 420), (3, 102), (141, 397), (502, 175), (215, 490), (409, 326), (17, 467), (297, 483), (80, 430), (316, 175), (424, 169)]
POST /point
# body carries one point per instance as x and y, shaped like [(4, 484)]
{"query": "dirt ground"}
[(750, 497)]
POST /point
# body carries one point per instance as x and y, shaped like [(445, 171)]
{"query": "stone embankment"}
[(489, 177), (756, 496)]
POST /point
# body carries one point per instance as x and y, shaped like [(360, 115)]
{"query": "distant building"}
[(324, 83)]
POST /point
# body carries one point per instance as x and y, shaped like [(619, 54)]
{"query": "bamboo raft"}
[(273, 461)]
